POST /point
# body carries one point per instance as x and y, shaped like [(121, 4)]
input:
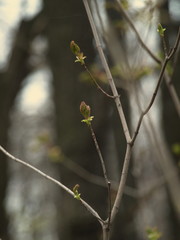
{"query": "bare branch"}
[(86, 205), (99, 154), (104, 172), (122, 182), (96, 83), (161, 75)]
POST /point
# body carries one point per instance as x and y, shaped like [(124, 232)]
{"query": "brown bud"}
[(85, 110), (75, 188), (75, 48)]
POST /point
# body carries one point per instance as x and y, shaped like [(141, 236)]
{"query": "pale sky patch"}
[(36, 92)]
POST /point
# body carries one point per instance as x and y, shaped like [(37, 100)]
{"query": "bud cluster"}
[(77, 52), (85, 110)]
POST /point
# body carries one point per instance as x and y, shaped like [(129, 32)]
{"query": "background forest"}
[(41, 88)]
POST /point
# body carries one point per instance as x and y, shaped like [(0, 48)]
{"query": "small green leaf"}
[(88, 120), (77, 51), (80, 59), (77, 195), (161, 30)]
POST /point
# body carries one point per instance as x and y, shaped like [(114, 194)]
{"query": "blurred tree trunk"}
[(170, 118), (10, 83), (3, 168)]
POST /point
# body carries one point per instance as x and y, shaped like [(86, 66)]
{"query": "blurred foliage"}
[(153, 233), (176, 149)]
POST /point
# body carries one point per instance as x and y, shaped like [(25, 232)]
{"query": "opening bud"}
[(161, 30)]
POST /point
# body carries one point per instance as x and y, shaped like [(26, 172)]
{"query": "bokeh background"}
[(40, 92)]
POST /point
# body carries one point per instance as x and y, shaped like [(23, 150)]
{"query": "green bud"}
[(75, 48), (75, 188), (77, 195), (77, 52), (85, 110)]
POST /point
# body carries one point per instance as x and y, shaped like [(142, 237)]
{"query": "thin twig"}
[(99, 154), (161, 75), (104, 171), (96, 83), (151, 101), (164, 46), (84, 203), (174, 49)]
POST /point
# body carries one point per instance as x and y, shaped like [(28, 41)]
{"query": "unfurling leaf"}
[(77, 51), (77, 195), (161, 30), (88, 120), (80, 58), (85, 110)]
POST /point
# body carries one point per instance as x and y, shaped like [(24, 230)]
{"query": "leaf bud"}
[(75, 48), (85, 110)]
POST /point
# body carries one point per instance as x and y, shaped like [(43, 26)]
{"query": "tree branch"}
[(69, 191), (122, 182), (161, 75), (108, 73), (104, 172), (96, 83)]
